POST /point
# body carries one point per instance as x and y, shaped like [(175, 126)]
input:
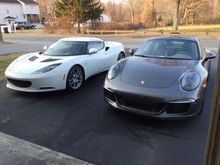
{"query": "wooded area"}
[(161, 12), (138, 14)]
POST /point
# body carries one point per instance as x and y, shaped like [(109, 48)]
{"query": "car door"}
[(96, 62)]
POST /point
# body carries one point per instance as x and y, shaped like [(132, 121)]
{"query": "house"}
[(105, 18), (19, 10)]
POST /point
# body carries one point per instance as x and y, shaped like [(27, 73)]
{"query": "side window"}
[(96, 44)]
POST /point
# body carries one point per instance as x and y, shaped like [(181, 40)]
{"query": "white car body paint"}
[(22, 69)]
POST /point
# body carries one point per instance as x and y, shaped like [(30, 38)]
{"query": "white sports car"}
[(66, 64)]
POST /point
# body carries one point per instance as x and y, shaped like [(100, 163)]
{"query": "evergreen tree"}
[(80, 11)]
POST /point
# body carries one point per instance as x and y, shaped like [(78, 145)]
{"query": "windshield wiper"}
[(139, 55)]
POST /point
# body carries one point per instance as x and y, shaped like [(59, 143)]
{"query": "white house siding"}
[(12, 10), (105, 18), (31, 12), (30, 8), (21, 11)]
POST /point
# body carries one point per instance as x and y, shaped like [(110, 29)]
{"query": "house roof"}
[(9, 1), (29, 1), (10, 17)]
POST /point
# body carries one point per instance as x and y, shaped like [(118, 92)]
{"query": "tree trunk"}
[(132, 11), (78, 27), (1, 38), (176, 16)]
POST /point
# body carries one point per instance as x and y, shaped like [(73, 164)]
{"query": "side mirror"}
[(209, 54), (45, 47), (93, 51), (132, 51), (107, 48)]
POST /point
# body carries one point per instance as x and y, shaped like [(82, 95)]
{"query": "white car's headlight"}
[(47, 68), (190, 81), (113, 72)]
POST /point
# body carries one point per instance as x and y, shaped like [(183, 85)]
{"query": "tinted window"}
[(96, 44), (169, 48), (66, 48)]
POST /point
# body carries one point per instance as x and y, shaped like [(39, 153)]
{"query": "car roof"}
[(178, 37), (85, 39)]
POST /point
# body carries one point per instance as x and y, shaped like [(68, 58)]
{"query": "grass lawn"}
[(4, 43), (192, 27), (4, 62)]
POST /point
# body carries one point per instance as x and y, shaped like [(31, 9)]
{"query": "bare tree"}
[(131, 3), (193, 8), (176, 16)]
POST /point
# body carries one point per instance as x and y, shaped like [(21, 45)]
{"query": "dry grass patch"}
[(5, 60)]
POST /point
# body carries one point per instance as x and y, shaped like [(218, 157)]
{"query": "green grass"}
[(5, 43), (4, 62)]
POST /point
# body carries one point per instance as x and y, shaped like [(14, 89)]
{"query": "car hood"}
[(30, 63), (154, 72)]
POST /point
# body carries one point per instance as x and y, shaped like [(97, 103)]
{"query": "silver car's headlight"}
[(113, 72), (190, 81), (47, 68)]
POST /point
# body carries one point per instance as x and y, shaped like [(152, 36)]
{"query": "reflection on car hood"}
[(154, 72), (29, 63)]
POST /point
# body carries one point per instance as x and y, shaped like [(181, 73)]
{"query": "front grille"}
[(178, 107), (109, 95), (19, 83), (44, 88), (141, 104)]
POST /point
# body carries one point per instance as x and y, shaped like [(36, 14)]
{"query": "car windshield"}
[(169, 49), (66, 48)]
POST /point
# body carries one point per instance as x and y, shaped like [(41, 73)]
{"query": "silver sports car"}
[(165, 78)]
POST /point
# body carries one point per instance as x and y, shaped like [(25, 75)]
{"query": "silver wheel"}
[(75, 77)]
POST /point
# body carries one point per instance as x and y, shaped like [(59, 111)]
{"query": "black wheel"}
[(121, 56), (75, 78)]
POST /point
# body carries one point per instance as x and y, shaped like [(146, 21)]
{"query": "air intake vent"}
[(33, 58), (50, 60)]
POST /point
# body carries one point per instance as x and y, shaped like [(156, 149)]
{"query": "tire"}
[(75, 78), (120, 56)]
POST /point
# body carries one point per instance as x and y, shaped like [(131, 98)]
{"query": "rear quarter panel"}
[(114, 49)]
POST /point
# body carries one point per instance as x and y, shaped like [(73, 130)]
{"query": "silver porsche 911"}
[(165, 78)]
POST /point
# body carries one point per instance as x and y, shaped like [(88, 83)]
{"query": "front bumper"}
[(156, 107), (35, 82)]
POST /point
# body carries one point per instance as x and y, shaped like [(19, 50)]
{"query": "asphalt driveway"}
[(81, 124)]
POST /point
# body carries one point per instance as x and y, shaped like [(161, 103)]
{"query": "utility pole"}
[(176, 16), (212, 156)]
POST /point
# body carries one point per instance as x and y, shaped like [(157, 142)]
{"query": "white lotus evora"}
[(66, 64)]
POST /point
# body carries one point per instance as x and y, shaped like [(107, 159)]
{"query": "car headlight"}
[(190, 81), (113, 72), (47, 68)]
